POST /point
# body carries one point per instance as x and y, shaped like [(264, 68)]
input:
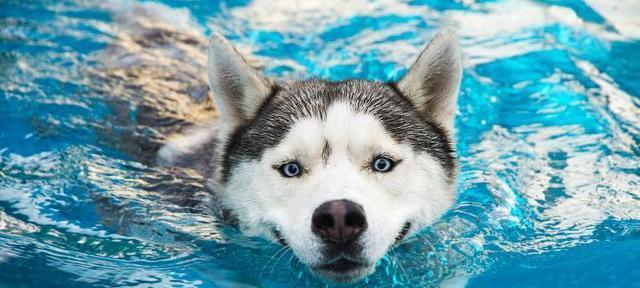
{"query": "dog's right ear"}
[(238, 89)]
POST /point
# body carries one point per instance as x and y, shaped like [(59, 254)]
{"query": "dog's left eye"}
[(290, 169), (382, 164)]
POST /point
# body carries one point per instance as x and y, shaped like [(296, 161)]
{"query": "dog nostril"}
[(338, 221), (322, 220), (355, 219)]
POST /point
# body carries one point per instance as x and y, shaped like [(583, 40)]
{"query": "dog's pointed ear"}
[(432, 83), (239, 90)]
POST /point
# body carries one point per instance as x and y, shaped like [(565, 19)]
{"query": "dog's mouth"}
[(403, 232), (278, 236), (342, 265), (343, 270)]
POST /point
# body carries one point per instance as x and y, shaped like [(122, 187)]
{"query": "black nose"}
[(338, 221)]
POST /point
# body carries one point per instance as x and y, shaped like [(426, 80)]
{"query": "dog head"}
[(338, 171)]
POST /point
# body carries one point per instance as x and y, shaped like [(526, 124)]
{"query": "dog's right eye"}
[(290, 169)]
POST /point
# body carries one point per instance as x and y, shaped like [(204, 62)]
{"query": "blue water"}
[(548, 136)]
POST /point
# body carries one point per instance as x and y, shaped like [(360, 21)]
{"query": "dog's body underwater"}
[(337, 171)]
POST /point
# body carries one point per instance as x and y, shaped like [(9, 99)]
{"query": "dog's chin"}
[(343, 270)]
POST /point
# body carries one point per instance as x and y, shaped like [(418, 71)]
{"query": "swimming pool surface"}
[(548, 138)]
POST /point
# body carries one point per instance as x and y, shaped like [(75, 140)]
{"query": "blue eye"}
[(291, 169), (382, 164)]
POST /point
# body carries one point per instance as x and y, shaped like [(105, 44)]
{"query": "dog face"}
[(337, 171)]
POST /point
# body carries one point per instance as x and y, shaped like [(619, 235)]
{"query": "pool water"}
[(548, 135)]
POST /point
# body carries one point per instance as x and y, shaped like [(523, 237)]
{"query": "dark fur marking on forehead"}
[(326, 152), (312, 98)]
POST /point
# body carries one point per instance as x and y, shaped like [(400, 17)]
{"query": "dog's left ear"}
[(239, 90), (432, 83)]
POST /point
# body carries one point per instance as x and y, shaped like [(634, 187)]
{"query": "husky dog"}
[(337, 171)]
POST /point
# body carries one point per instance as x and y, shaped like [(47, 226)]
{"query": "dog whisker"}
[(283, 249)]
